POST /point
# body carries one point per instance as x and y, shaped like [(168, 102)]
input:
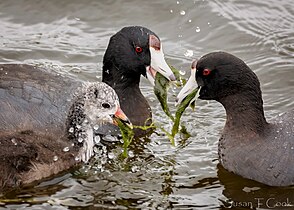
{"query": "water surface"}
[(71, 36)]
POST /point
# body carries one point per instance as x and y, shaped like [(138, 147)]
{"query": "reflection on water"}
[(71, 37)]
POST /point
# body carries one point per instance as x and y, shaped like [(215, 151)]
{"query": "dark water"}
[(71, 36)]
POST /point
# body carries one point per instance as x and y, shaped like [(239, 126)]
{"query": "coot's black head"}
[(132, 52), (220, 74)]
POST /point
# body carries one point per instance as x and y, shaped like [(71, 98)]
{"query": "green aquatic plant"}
[(181, 108), (128, 134), (160, 90)]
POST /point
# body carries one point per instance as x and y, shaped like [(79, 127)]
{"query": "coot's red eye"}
[(206, 72), (138, 49)]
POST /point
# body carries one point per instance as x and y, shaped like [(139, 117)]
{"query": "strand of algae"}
[(160, 90), (128, 134)]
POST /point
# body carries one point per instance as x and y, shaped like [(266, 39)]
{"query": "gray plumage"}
[(46, 122)]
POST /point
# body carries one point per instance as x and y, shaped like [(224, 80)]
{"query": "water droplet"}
[(97, 139), (131, 154), (55, 158), (14, 141), (292, 147), (178, 2), (80, 139), (96, 127), (97, 151), (134, 169), (111, 155), (104, 148), (65, 149), (78, 126), (180, 35), (1, 69), (171, 11), (182, 12), (208, 23), (71, 130), (190, 21), (103, 160), (197, 29), (182, 72), (77, 158), (121, 141), (189, 53), (109, 138)]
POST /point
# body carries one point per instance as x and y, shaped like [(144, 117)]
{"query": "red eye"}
[(138, 49), (206, 72)]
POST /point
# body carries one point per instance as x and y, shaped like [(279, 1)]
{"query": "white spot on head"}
[(55, 158), (13, 140), (65, 149)]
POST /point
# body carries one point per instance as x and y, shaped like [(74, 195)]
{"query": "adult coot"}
[(249, 145), (47, 122), (132, 52)]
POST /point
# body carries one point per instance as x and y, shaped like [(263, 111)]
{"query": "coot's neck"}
[(244, 112), (126, 86)]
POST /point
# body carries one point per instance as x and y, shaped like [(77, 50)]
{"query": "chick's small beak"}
[(119, 114)]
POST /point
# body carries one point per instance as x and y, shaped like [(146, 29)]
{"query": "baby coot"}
[(47, 122), (132, 52), (249, 146)]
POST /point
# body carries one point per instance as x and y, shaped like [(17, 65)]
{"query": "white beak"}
[(188, 88), (158, 63)]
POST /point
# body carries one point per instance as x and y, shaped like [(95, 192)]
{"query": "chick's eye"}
[(106, 105), (138, 49), (206, 72)]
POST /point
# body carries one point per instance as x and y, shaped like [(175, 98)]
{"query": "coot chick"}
[(132, 52), (47, 122), (249, 146)]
